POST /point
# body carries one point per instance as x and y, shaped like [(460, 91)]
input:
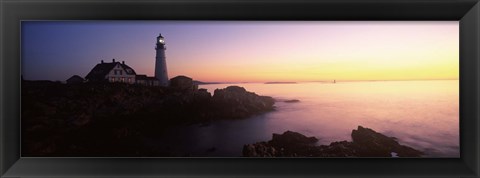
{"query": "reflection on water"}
[(421, 114)]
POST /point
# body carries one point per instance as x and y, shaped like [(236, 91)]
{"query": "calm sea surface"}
[(421, 114)]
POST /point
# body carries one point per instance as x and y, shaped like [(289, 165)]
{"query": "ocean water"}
[(421, 114)]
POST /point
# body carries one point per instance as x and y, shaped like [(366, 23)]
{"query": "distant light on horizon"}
[(247, 51)]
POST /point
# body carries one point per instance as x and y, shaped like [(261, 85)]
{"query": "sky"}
[(247, 51)]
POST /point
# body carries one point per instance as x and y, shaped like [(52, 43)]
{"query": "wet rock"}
[(261, 149), (288, 144), (374, 144), (338, 149), (287, 138), (366, 143)]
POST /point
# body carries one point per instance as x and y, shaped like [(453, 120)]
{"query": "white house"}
[(112, 72)]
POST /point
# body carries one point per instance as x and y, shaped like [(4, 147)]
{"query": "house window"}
[(118, 72), (123, 79)]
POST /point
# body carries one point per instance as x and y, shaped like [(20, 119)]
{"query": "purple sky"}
[(244, 51)]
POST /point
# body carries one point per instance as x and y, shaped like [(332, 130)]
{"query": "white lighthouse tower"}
[(160, 62)]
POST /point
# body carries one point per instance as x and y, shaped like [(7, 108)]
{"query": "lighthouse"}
[(160, 62)]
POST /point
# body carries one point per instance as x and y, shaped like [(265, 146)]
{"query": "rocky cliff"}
[(111, 119), (236, 102)]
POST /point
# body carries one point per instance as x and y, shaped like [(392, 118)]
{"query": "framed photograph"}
[(240, 88)]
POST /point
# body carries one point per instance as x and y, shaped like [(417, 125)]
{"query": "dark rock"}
[(292, 143), (338, 149), (366, 143), (202, 95), (249, 150), (236, 102), (374, 144), (287, 138), (235, 89), (261, 149), (292, 101), (288, 144)]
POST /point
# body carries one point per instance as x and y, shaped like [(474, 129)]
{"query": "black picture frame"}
[(14, 11)]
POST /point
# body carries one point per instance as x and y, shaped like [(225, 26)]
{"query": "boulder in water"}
[(366, 143)]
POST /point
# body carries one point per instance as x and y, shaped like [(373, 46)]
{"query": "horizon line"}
[(320, 81), (273, 81)]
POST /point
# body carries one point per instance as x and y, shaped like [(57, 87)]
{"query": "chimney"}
[(113, 60), (123, 62), (102, 61)]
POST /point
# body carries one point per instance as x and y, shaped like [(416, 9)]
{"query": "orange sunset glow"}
[(252, 51), (362, 51)]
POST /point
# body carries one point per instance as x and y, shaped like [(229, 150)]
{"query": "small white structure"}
[(112, 72)]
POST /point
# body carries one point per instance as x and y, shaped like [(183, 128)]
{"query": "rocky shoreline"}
[(112, 119), (365, 143)]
